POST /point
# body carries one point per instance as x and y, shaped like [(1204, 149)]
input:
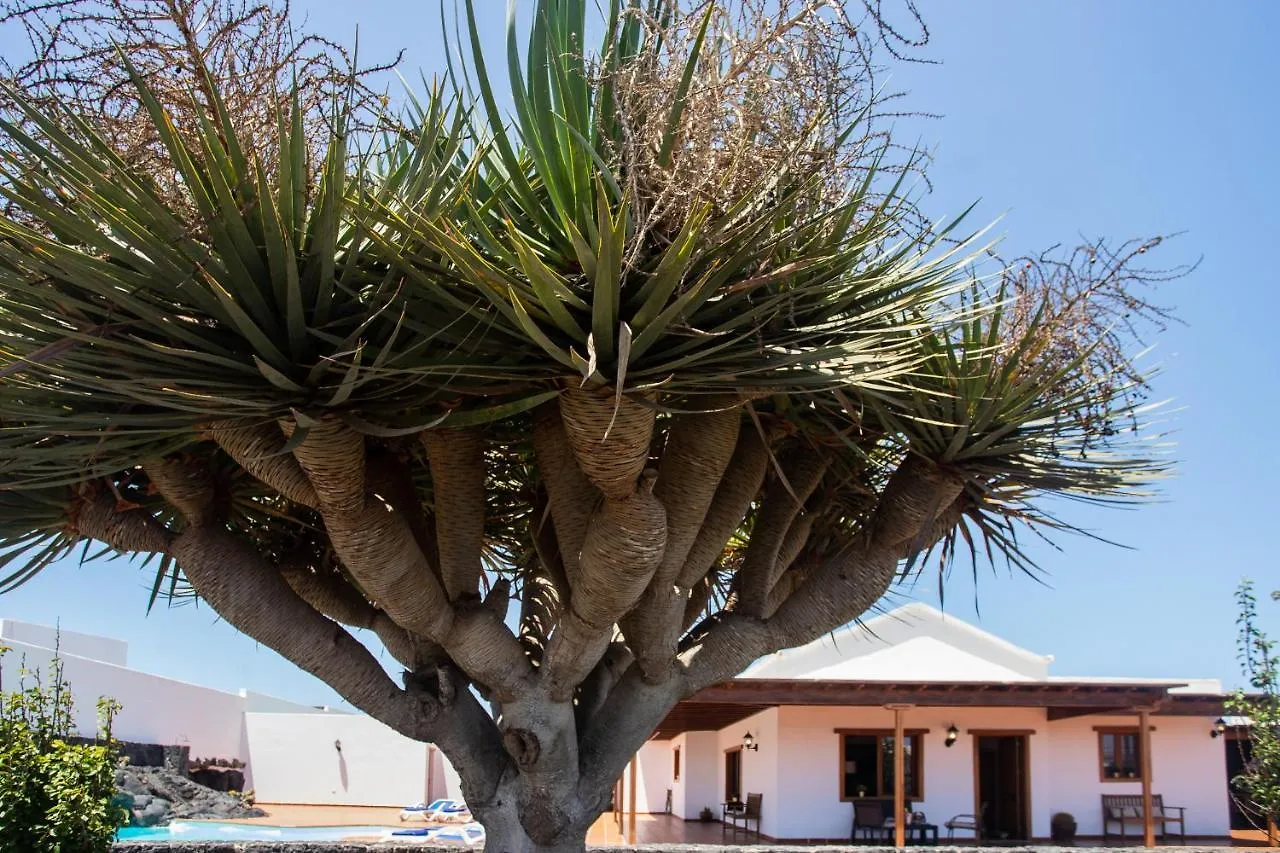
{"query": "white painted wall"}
[(155, 709), (653, 777), (696, 787), (262, 703), (295, 761), (797, 766), (760, 767), (105, 649), (809, 784), (1188, 769)]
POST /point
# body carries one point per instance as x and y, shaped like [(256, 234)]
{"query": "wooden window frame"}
[(675, 772), (917, 762), (1117, 732)]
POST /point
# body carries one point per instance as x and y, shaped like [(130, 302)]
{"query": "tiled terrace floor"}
[(650, 829)]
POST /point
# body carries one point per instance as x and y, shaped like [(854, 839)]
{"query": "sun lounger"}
[(470, 834)]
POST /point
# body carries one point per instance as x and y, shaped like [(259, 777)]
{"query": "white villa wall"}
[(696, 787), (155, 709), (760, 767), (295, 761), (1188, 769), (809, 781), (653, 778), (89, 646)]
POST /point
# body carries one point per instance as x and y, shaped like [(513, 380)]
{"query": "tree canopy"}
[(669, 361)]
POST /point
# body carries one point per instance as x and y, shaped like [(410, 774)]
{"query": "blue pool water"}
[(183, 830)]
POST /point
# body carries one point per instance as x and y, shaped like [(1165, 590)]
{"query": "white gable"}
[(917, 659), (912, 643)]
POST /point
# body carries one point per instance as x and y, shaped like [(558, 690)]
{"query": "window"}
[(733, 775), (675, 770), (867, 765), (1119, 755)]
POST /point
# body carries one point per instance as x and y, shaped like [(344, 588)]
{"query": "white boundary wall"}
[(296, 759), (154, 709)]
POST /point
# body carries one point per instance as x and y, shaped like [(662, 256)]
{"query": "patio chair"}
[(871, 818), (967, 823), (744, 817)]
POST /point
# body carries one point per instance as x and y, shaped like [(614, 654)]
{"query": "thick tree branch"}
[(839, 589), (391, 480), (98, 516), (698, 449), (333, 457), (740, 485), (335, 598), (259, 448), (654, 641), (458, 479), (376, 544), (623, 548), (252, 595), (783, 501), (610, 437), (570, 495)]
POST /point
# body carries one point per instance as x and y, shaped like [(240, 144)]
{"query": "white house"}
[(987, 729), (292, 753)]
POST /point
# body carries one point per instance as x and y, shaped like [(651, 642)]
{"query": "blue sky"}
[(1089, 118)]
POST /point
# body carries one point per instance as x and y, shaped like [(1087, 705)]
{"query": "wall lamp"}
[(748, 742), (952, 734), (1219, 728)]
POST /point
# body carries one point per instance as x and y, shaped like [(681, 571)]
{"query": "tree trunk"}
[(504, 833)]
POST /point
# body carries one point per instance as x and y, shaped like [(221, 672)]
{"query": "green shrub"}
[(55, 797)]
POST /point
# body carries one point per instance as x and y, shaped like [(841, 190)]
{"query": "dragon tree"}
[(576, 404)]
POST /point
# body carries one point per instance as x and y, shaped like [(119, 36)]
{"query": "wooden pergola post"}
[(899, 778), (1144, 755), (631, 802)]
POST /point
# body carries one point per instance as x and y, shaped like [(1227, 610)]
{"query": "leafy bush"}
[(55, 797), (1259, 785)]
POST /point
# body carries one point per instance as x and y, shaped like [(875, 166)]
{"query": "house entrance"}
[(1239, 751), (1002, 789), (733, 775)]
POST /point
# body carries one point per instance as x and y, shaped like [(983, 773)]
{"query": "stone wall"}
[(302, 847), (172, 758)]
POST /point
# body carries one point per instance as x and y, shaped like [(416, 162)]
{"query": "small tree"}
[(55, 797), (665, 372), (1259, 784)]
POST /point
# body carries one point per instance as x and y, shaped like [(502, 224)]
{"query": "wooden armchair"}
[(870, 817), (1125, 810), (745, 816)]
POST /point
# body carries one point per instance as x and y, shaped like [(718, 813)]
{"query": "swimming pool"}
[(202, 830)]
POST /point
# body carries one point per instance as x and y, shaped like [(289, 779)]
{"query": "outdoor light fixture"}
[(1219, 727), (748, 742), (952, 734), (337, 744)]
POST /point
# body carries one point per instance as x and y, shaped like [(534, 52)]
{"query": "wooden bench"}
[(1125, 810)]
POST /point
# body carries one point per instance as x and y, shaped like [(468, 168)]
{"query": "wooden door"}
[(733, 775), (1003, 787)]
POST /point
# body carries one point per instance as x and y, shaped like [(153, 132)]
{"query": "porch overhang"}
[(729, 702)]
